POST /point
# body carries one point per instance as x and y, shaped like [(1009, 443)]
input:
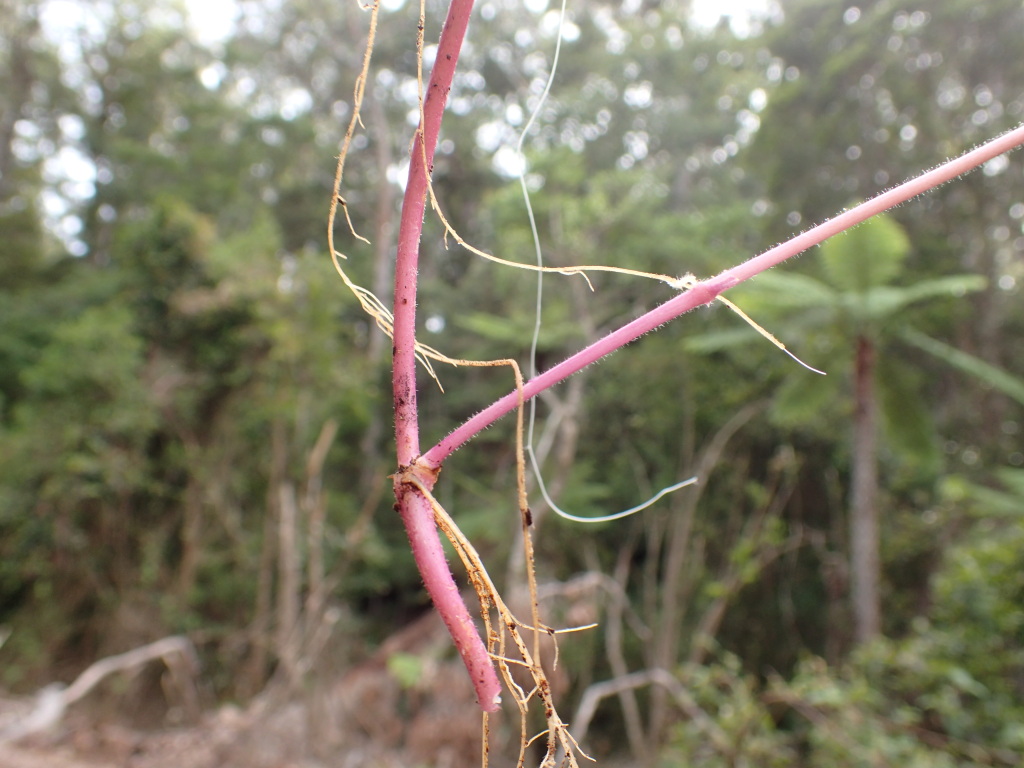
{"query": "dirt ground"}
[(287, 738), (78, 743), (18, 758), (26, 757), (364, 716), (376, 714)]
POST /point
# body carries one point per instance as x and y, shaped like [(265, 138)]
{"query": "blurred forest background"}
[(194, 412)]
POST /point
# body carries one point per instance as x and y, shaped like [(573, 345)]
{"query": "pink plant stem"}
[(414, 507), (706, 291), (411, 229)]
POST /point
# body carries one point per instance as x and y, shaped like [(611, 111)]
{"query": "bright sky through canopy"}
[(706, 13), (212, 20)]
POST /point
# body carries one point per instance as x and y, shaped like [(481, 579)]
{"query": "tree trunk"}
[(287, 640), (23, 29), (314, 508), (378, 347), (678, 583), (191, 525), (255, 674), (865, 566)]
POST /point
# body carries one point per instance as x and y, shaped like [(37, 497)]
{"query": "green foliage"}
[(962, 667), (727, 724), (846, 721), (870, 255), (999, 379), (184, 360), (855, 296), (75, 433), (891, 707), (406, 668), (947, 694), (909, 425)]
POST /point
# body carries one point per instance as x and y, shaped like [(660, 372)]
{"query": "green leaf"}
[(493, 328), (1013, 479), (707, 343), (997, 378), (964, 681), (908, 421), (874, 305), (805, 397), (559, 328), (1007, 502), (406, 668), (786, 290), (868, 256)]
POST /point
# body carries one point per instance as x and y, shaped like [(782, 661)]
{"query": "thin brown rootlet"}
[(507, 625)]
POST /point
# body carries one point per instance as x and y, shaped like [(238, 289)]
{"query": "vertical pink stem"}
[(411, 229), (415, 509)]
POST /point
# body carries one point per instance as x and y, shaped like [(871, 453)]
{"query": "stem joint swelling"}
[(413, 475)]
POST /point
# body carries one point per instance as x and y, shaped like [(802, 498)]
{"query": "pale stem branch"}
[(704, 292)]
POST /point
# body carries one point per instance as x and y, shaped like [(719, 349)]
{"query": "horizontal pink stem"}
[(706, 291)]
